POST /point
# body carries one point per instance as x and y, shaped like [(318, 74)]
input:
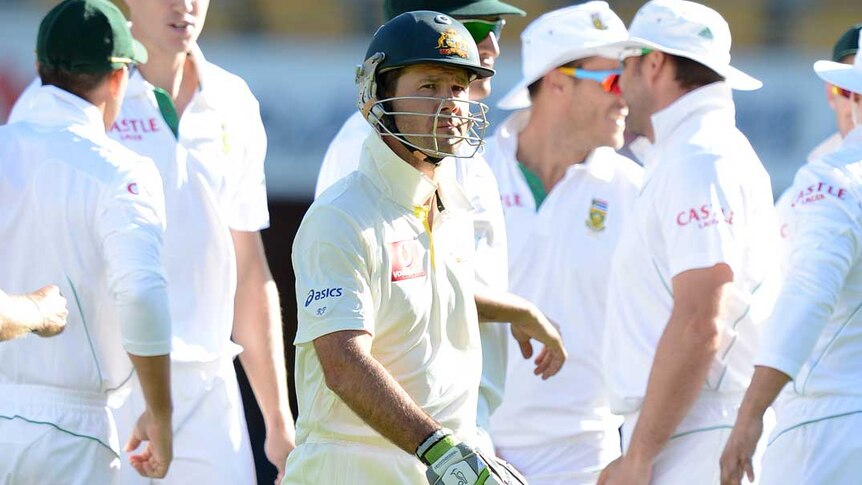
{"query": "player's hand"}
[(533, 324), (457, 463), (154, 460), (623, 471), (739, 449), (277, 447), (52, 306)]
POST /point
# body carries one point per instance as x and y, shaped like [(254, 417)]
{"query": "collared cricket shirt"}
[(560, 249), (706, 200), (366, 259), (815, 332)]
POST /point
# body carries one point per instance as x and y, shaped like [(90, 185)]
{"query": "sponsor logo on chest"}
[(704, 216), (133, 129), (817, 192), (407, 259), (512, 200)]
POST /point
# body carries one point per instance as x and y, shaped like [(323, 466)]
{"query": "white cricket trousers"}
[(211, 444), (576, 461), (827, 451), (56, 436)]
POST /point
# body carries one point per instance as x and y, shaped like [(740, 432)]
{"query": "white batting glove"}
[(452, 462)]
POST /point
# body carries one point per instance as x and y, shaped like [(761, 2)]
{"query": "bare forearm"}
[(257, 329), (154, 374), (765, 386), (498, 306), (681, 363), (373, 394), (19, 315)]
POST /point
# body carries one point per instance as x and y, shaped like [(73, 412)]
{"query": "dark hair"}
[(386, 83), (536, 85), (80, 84), (690, 74)]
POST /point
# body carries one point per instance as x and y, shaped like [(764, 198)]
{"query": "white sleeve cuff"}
[(145, 323)]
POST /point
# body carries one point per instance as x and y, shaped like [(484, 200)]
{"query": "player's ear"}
[(117, 80)]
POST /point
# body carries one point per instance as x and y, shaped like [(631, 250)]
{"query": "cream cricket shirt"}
[(815, 333), (478, 183), (560, 252), (706, 200), (211, 162), (366, 260), (81, 211)]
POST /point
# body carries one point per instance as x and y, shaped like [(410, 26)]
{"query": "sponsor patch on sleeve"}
[(706, 215), (407, 260)]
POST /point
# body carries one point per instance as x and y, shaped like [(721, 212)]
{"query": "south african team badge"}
[(598, 213)]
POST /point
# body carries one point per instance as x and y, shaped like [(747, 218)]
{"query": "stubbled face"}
[(842, 105), (596, 115), (434, 83), (167, 26), (636, 95)]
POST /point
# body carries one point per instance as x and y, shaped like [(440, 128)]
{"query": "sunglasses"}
[(841, 92), (479, 29), (609, 80), (634, 52)]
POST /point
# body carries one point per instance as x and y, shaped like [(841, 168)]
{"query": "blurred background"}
[(298, 57)]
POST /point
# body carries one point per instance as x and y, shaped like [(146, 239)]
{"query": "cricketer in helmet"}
[(413, 87)]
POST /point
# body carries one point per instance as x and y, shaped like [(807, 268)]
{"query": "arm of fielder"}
[(154, 425), (736, 459), (528, 322), (682, 359), (257, 327), (42, 312)]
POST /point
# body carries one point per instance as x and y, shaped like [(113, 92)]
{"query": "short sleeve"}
[(333, 289), (248, 209), (698, 214)]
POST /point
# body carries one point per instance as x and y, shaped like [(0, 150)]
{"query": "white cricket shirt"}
[(213, 182), (559, 258), (706, 200), (478, 183), (80, 211), (364, 260), (815, 332)]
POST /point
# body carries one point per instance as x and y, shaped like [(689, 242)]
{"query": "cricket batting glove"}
[(451, 462)]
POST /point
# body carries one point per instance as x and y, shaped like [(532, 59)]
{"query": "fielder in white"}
[(694, 272), (484, 19), (388, 350), (42, 312), (566, 196), (814, 336), (201, 125), (844, 51), (78, 208)]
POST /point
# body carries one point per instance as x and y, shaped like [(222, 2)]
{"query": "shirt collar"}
[(714, 97), (139, 86), (507, 138), (397, 179), (854, 136), (51, 105)]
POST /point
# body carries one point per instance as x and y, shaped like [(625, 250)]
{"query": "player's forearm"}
[(765, 386), (19, 315), (154, 374), (500, 306), (682, 359), (257, 328), (372, 393)]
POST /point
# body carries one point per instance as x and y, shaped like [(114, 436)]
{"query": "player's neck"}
[(548, 151), (175, 74)]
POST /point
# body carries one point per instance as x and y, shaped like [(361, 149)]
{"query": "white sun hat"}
[(690, 30), (845, 76), (562, 36)]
